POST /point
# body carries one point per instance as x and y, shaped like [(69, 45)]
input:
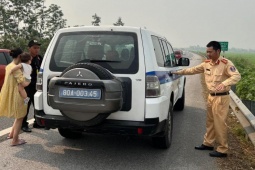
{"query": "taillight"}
[(39, 81), (152, 86)]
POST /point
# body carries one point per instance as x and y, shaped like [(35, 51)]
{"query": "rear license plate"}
[(80, 93)]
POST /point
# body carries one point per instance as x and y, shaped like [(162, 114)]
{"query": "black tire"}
[(165, 141), (92, 122), (70, 134), (179, 105), (101, 72)]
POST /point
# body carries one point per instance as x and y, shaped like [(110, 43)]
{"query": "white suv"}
[(104, 79)]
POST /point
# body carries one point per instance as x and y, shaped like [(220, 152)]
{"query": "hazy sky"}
[(182, 22)]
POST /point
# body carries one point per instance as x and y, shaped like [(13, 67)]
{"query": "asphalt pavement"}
[(46, 149)]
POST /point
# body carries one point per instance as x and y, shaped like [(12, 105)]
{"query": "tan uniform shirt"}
[(223, 71)]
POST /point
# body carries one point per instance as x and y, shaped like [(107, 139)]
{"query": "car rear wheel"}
[(69, 133), (165, 140)]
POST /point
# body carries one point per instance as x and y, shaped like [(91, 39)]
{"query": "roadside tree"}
[(22, 20), (119, 22), (96, 20)]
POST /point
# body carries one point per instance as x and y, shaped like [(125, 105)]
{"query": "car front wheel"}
[(179, 106)]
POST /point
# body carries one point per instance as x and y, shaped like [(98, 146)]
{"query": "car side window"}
[(168, 62), (158, 51), (3, 60), (172, 56)]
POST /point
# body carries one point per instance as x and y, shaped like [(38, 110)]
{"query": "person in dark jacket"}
[(34, 49)]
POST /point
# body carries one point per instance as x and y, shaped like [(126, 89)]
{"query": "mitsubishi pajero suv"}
[(110, 79)]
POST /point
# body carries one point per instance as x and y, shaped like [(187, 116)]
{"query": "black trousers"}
[(30, 93)]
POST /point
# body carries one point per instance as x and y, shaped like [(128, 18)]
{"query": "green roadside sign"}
[(224, 46)]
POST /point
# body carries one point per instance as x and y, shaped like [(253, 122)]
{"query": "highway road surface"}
[(46, 149)]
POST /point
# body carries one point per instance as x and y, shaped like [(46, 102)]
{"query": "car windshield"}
[(114, 51)]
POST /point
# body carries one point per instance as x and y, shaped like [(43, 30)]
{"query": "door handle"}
[(170, 73)]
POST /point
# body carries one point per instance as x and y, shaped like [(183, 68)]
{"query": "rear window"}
[(115, 51), (5, 58)]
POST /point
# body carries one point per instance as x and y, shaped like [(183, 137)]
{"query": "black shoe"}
[(26, 129), (204, 147), (217, 154), (35, 125)]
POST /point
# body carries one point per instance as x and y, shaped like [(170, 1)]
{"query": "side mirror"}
[(183, 61)]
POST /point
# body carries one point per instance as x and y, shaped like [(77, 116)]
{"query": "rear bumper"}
[(149, 127)]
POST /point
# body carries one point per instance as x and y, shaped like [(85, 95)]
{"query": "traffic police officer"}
[(220, 74)]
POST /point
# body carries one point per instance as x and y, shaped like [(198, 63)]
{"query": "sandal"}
[(8, 137), (21, 142)]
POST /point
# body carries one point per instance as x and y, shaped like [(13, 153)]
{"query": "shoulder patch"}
[(232, 68), (207, 61), (224, 61)]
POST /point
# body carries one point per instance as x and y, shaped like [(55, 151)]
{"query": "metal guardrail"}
[(244, 115), (250, 105)]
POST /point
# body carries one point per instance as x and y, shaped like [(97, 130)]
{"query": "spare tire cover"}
[(89, 71)]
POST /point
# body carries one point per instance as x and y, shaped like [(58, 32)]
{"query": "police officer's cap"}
[(33, 42)]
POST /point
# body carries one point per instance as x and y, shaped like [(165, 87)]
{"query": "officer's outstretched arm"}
[(193, 70)]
